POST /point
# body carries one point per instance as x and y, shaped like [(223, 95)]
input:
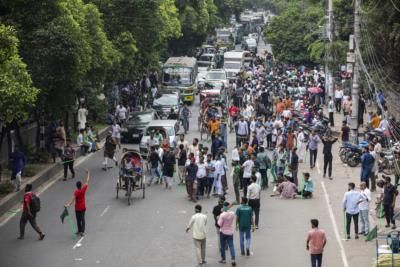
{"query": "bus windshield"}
[(177, 76), (232, 65)]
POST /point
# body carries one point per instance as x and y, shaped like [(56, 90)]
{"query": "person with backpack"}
[(80, 203), (30, 208), (68, 159)]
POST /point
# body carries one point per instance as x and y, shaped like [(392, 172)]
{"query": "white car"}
[(218, 75), (201, 77)]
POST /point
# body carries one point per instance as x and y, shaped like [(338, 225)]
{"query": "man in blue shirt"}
[(367, 163), (350, 206)]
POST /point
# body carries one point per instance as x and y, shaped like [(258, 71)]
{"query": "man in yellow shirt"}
[(375, 121), (213, 126)]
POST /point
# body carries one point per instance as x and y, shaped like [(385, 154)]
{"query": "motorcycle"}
[(351, 152)]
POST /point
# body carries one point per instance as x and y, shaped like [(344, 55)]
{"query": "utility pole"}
[(355, 91), (328, 58)]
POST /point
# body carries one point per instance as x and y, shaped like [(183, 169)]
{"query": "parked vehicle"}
[(135, 124), (165, 102)]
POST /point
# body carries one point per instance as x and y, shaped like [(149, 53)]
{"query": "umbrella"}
[(314, 90)]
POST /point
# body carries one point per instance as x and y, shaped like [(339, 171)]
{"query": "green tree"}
[(17, 94)]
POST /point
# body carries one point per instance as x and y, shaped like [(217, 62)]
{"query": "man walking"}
[(364, 208), (29, 211), (244, 223), (191, 177), (294, 165), (327, 151), (263, 163), (247, 169), (225, 223), (253, 195), (316, 241), (350, 206), (367, 163), (198, 224), (154, 160), (389, 200), (313, 147), (68, 159), (79, 198), (331, 110)]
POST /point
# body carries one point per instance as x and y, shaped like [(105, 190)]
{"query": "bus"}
[(179, 73)]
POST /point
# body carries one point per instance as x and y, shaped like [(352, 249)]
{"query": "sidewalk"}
[(50, 171)]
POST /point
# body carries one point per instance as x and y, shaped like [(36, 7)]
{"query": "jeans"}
[(316, 260), (154, 175), (264, 178), (364, 221), (202, 182), (236, 188), (200, 246), (242, 234), (328, 164), (313, 157), (246, 183), (255, 205), (348, 222), (338, 104), (32, 220), (69, 164), (269, 140), (332, 123), (80, 220), (388, 213), (223, 240)]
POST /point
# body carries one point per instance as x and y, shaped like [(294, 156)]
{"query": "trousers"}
[(255, 206), (328, 164), (70, 165), (364, 221), (313, 157), (200, 246), (388, 213), (25, 218), (242, 235), (348, 222), (223, 240), (316, 260), (80, 220)]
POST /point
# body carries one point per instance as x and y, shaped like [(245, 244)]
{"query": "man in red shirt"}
[(28, 214), (316, 242), (80, 203)]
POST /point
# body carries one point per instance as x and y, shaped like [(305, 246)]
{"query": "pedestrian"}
[(201, 177), (375, 167), (263, 162), (191, 179), (216, 145), (328, 141), (345, 132), (236, 181), (313, 147), (155, 161), (302, 141), (210, 175), (350, 206), (116, 133), (168, 163), (247, 167), (244, 223), (219, 174), (338, 99), (109, 151), (182, 157), (316, 241), (30, 208), (217, 210), (363, 205), (294, 165), (79, 198), (198, 224), (18, 165), (253, 195), (331, 110), (389, 200), (225, 223), (367, 163), (68, 159)]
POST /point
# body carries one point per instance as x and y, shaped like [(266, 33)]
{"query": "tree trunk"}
[(66, 124), (18, 136)]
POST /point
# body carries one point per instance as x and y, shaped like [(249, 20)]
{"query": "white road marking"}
[(104, 211), (335, 227), (78, 259), (79, 243), (183, 211), (318, 169)]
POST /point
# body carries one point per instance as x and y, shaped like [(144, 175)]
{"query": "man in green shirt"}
[(245, 223), (264, 162), (236, 181)]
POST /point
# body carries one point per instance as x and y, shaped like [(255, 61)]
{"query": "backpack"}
[(35, 203)]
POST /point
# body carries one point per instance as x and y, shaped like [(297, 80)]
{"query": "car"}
[(251, 45), (169, 129), (217, 75), (133, 127), (201, 77), (165, 101), (207, 60)]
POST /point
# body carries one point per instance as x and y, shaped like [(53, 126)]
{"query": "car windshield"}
[(204, 64), (140, 117), (251, 42), (167, 100), (205, 58), (232, 65), (216, 76), (177, 75), (153, 129)]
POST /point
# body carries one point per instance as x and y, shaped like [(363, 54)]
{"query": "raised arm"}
[(87, 177)]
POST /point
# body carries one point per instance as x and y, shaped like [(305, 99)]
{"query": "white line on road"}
[(104, 211), (79, 243), (335, 227)]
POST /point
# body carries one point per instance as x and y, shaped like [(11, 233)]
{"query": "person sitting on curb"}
[(308, 188)]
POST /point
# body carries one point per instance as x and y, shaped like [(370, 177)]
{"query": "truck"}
[(233, 63)]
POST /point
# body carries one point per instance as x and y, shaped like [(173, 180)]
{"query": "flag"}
[(372, 234), (64, 214)]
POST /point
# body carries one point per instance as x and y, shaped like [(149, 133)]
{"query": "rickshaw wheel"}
[(129, 190)]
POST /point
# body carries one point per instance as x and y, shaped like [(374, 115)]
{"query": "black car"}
[(133, 127), (166, 101)]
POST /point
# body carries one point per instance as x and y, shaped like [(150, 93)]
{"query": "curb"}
[(12, 199)]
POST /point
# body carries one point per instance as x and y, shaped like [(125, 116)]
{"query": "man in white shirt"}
[(331, 109), (198, 223), (201, 177), (253, 195), (247, 169), (242, 131), (120, 113), (235, 155), (363, 205), (219, 172), (116, 133), (338, 99)]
